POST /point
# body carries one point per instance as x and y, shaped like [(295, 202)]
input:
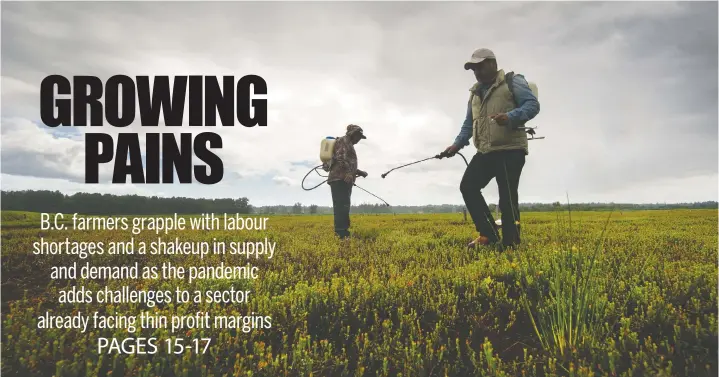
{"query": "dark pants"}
[(341, 193), (506, 167)]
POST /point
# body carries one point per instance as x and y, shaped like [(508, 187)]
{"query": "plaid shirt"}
[(344, 160)]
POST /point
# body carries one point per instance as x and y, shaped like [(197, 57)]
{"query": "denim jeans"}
[(341, 193)]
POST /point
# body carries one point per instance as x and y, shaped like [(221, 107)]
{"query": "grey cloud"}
[(286, 181), (31, 150), (682, 46), (38, 164)]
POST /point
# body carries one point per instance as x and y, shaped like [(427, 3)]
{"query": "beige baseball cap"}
[(479, 56)]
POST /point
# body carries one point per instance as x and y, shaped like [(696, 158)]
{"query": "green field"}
[(403, 298)]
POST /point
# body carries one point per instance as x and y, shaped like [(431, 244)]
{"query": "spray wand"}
[(315, 169), (439, 156), (528, 130)]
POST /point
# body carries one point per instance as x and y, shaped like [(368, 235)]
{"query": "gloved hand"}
[(449, 152), (349, 179), (361, 173)]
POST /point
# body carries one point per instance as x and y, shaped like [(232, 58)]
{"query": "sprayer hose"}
[(318, 173), (465, 160)]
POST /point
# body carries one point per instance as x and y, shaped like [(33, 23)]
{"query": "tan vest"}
[(487, 135)]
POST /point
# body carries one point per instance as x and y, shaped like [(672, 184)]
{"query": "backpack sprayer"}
[(326, 150)]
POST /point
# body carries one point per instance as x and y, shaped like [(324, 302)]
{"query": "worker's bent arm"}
[(526, 100), (465, 132)]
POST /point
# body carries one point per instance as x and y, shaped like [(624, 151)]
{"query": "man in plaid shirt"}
[(342, 175)]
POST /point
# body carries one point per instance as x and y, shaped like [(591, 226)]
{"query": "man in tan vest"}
[(494, 112)]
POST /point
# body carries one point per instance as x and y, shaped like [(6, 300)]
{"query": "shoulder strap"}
[(509, 78)]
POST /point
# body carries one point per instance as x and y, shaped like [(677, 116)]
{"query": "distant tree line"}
[(299, 208), (593, 206), (88, 203), (96, 204)]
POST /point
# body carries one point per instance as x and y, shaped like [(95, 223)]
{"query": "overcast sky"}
[(628, 92)]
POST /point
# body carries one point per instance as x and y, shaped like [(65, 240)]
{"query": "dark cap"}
[(353, 128)]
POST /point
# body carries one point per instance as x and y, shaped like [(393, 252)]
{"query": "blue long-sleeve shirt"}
[(526, 100)]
